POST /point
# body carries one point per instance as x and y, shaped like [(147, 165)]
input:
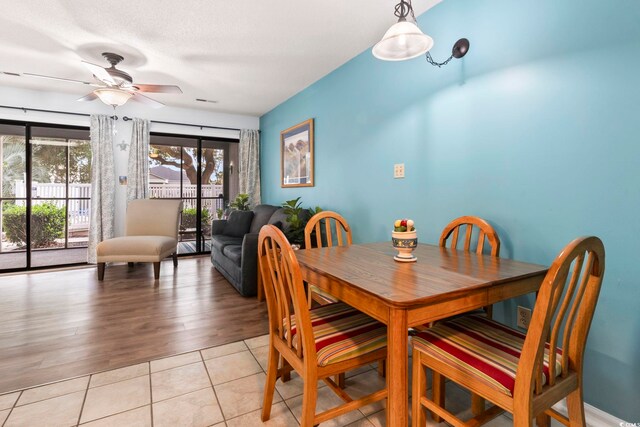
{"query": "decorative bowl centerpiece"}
[(405, 239)]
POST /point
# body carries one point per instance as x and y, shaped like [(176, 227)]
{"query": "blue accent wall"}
[(537, 130)]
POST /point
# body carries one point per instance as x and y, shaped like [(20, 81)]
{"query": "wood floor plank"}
[(59, 324)]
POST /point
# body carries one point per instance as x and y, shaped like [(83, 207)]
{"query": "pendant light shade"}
[(112, 96), (403, 40)]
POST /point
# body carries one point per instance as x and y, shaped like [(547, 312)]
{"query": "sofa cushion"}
[(261, 215), (238, 223), (279, 219), (219, 241), (233, 252)]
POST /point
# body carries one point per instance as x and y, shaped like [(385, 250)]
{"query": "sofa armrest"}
[(217, 226), (249, 264), (250, 247)]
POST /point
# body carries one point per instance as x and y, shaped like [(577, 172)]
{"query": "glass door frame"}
[(29, 191), (225, 177)]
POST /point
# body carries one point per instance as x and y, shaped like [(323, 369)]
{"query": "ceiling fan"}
[(115, 87)]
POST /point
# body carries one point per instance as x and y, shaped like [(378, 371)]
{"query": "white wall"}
[(66, 102)]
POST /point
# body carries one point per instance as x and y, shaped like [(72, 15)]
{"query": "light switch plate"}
[(398, 170)]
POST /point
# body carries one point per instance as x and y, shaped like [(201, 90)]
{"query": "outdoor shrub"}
[(189, 217), (47, 224)]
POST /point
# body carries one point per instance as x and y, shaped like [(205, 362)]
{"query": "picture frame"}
[(296, 156)]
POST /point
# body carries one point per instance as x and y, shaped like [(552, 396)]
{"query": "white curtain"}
[(138, 170), (102, 183), (249, 168)]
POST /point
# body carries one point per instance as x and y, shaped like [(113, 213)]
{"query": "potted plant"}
[(241, 202), (297, 218)]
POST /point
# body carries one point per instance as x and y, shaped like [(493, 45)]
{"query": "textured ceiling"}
[(248, 55)]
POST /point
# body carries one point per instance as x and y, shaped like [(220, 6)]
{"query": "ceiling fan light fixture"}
[(404, 40), (112, 96)]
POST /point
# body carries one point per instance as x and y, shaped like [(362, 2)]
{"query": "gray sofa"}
[(234, 245)]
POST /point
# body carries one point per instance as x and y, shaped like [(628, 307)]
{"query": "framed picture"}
[(296, 154)]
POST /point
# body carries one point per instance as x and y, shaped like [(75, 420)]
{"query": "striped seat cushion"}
[(481, 347), (342, 333), (321, 296)]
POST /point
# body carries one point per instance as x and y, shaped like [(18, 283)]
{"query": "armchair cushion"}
[(238, 223), (136, 249)]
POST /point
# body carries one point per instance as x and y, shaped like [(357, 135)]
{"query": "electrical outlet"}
[(524, 317), (398, 170)]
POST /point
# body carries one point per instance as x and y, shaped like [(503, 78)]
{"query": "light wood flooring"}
[(61, 324)]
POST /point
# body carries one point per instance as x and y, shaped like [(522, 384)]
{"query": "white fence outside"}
[(78, 210), (161, 191)]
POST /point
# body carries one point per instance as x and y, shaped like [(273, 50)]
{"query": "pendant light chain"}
[(437, 64), (404, 9)]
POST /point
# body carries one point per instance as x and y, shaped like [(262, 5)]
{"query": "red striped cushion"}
[(481, 347), (342, 332), (321, 296)]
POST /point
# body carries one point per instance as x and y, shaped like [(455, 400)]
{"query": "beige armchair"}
[(151, 235)]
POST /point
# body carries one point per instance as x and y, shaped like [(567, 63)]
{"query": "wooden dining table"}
[(441, 283)]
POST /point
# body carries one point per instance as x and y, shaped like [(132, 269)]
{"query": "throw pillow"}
[(238, 223)]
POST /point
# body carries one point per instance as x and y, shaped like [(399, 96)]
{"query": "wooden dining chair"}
[(317, 343), (473, 241), (321, 230), (523, 374), (476, 232)]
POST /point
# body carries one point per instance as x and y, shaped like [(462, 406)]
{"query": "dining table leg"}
[(397, 369)]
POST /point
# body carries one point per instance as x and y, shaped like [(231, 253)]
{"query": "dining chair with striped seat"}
[(325, 229), (477, 232), (525, 374), (317, 343)]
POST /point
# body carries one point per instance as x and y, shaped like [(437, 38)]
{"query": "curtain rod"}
[(25, 109), (126, 119)]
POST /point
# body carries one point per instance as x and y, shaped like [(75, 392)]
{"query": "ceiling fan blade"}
[(100, 73), (89, 97), (158, 88), (146, 100), (40, 76)]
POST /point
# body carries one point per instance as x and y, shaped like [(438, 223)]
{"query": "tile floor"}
[(218, 386)]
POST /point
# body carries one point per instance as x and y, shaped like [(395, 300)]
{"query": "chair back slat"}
[(561, 301), (285, 293), (467, 238), (553, 339), (485, 232), (318, 232), (571, 318), (334, 224), (454, 238), (481, 239)]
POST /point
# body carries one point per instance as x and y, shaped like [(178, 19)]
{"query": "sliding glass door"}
[(13, 216), (45, 195), (195, 170)]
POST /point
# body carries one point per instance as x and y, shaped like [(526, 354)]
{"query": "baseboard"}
[(595, 417)]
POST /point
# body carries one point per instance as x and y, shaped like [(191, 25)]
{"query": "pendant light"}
[(404, 40)]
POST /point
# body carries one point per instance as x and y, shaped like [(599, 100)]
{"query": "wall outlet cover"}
[(524, 317), (398, 170)]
